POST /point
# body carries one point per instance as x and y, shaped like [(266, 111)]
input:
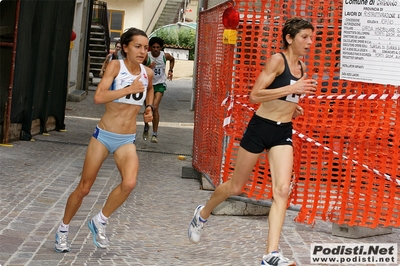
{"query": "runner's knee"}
[(82, 192), (281, 192), (128, 185), (235, 189)]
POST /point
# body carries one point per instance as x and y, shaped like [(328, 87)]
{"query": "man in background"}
[(156, 59)]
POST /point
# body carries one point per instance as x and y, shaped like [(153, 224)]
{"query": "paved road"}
[(151, 226)]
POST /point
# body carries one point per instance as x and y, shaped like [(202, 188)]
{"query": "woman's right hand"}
[(305, 86), (152, 65), (136, 86)]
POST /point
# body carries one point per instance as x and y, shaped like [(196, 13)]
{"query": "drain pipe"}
[(7, 114)]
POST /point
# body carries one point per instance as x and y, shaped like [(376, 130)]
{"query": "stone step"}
[(347, 231), (234, 207)]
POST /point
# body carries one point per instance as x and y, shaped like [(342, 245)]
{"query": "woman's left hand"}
[(298, 111)]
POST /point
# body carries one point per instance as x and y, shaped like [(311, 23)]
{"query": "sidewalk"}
[(151, 227)]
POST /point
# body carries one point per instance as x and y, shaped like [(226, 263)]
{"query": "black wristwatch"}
[(171, 71), (151, 106)]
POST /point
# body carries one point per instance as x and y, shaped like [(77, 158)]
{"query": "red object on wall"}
[(230, 18), (73, 36)]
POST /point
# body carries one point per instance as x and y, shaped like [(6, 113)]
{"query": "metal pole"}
[(194, 79)]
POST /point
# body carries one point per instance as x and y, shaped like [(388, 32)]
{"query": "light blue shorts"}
[(113, 141)]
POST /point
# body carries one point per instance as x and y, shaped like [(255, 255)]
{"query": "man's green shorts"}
[(160, 88)]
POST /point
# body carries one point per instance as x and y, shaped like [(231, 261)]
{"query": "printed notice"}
[(370, 41)]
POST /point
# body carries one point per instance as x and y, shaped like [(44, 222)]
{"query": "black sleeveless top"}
[(284, 79)]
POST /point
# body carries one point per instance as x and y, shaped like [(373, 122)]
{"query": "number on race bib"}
[(157, 71), (136, 96)]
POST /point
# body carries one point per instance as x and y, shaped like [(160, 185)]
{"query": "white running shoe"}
[(276, 259), (99, 233), (61, 243), (196, 225), (154, 139)]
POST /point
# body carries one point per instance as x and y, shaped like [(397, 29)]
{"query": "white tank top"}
[(159, 70), (124, 79)]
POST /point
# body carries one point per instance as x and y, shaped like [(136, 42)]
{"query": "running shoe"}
[(99, 233), (154, 139), (62, 244), (145, 133), (196, 225), (276, 259)]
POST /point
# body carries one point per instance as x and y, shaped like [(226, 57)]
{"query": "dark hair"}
[(117, 42), (158, 40), (128, 35), (292, 27)]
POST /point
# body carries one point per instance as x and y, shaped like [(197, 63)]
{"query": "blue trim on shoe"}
[(60, 250), (93, 229)]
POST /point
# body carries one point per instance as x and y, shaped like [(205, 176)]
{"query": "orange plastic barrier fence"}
[(346, 166)]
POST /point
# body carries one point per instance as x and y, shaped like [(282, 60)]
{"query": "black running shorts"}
[(262, 133)]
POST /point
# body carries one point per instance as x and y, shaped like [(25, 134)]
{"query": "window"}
[(115, 23)]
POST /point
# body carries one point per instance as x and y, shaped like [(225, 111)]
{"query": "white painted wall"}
[(138, 13), (193, 6), (151, 12), (74, 52), (133, 11), (143, 14)]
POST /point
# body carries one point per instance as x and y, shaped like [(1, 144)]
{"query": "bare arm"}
[(104, 95), (104, 66), (148, 111), (171, 60), (274, 67)]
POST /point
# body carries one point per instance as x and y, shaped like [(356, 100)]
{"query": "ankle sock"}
[(63, 227), (202, 220), (101, 218)]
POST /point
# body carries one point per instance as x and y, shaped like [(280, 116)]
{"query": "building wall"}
[(142, 14), (76, 52), (151, 12), (191, 12)]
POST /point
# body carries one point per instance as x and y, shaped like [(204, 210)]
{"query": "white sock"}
[(63, 227), (101, 218)]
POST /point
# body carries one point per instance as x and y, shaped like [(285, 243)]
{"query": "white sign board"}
[(179, 54), (370, 50)]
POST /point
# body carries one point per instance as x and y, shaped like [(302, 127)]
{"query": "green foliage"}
[(180, 37), (169, 37), (187, 38), (95, 20)]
